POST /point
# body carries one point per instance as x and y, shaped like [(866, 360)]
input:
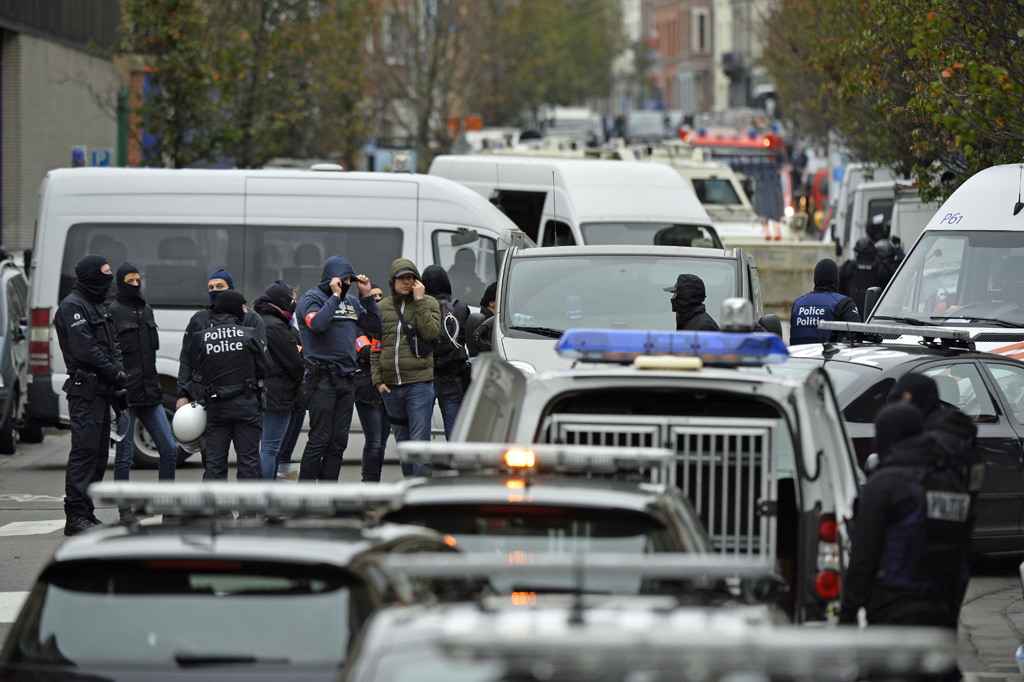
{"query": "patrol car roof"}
[(625, 250), (337, 545), (883, 356)]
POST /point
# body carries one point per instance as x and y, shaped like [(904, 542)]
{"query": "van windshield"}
[(716, 191), (961, 278), (605, 292), (644, 234)]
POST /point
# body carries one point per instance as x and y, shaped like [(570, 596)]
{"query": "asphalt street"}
[(32, 519)]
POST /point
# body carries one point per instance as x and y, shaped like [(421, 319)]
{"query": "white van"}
[(569, 202), (178, 226), (966, 271), (853, 175), (910, 215), (870, 207)]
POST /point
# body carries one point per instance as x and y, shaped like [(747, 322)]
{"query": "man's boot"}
[(76, 524), (371, 478)]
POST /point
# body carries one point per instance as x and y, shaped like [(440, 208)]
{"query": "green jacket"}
[(395, 363)]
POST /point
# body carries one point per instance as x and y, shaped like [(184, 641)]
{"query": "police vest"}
[(924, 551), (808, 311), (864, 278)]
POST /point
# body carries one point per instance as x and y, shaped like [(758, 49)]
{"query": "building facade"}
[(684, 69)]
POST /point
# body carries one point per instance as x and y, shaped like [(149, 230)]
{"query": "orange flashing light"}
[(524, 598), (520, 558), (515, 484), (450, 541), (520, 459)]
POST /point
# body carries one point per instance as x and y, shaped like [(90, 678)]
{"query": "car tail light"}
[(827, 583), (39, 342), (828, 529)]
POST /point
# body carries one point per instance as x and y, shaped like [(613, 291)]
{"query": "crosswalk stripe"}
[(10, 605), (31, 527)]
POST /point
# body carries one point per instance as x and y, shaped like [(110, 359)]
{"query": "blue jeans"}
[(291, 437), (376, 429), (154, 419), (449, 392), (330, 418), (275, 426), (413, 403)]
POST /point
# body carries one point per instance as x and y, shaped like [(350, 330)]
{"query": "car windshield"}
[(643, 234), (652, 123), (971, 278), (168, 613), (716, 191), (605, 292)]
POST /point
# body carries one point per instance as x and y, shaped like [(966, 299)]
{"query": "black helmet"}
[(864, 248), (885, 249)]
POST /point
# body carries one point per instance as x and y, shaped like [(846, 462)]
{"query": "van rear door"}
[(492, 406)]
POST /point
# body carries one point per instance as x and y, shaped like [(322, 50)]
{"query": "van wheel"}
[(7, 430)]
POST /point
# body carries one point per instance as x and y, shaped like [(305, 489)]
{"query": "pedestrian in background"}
[(451, 357), (88, 342), (487, 300), (688, 296), (231, 360), (284, 383), (369, 405), (825, 303), (859, 274), (403, 371), (139, 341), (329, 321)]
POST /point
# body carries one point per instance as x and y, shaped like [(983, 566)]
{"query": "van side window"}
[(557, 233), (470, 267), (522, 208), (960, 386)]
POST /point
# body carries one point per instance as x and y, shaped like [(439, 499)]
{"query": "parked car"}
[(14, 359)]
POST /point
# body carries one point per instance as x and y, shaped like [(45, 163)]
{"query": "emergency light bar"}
[(535, 456), (724, 349), (667, 566), (271, 499), (943, 335), (682, 647)]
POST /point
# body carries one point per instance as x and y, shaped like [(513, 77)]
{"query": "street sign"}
[(102, 157)]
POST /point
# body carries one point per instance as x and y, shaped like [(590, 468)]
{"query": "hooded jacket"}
[(285, 379), (327, 323), (688, 305), (138, 339), (85, 330), (824, 303), (396, 364), (437, 284)]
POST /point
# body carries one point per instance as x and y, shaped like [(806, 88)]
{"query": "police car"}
[(524, 502), (764, 459), (572, 637), (987, 387), (255, 601)]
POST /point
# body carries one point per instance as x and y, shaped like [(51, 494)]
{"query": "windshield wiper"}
[(908, 320), (196, 660), (990, 320), (541, 331)]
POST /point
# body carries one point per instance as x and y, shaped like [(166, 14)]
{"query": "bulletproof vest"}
[(864, 278), (808, 311), (924, 551), (225, 360)]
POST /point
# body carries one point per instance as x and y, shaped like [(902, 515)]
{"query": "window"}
[(701, 37), (659, 234), (716, 191), (960, 386), (1010, 379), (470, 266), (879, 218), (557, 233)]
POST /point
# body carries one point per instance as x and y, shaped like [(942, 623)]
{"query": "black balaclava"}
[(436, 282), (278, 293), (690, 296), (924, 392), (230, 302), (125, 290), (489, 294), (894, 424), (92, 282), (826, 275), (220, 273)]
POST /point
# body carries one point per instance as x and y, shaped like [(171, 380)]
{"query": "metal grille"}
[(997, 337), (726, 467)]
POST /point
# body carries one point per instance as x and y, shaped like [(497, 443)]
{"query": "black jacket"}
[(88, 341), (689, 306), (362, 381), (226, 355), (437, 284), (285, 381), (189, 385), (137, 336)]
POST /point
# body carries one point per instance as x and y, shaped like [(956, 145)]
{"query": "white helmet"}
[(189, 425)]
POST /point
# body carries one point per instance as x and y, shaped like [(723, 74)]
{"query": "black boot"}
[(371, 478), (76, 524)]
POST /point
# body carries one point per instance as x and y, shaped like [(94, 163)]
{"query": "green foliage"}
[(926, 86)]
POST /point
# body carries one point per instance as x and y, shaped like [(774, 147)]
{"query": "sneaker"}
[(76, 524)]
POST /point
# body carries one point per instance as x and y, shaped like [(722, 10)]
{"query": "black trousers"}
[(90, 448), (330, 418), (233, 421)]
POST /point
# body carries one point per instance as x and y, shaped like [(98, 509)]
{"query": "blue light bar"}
[(728, 349)]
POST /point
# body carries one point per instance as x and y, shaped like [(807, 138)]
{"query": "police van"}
[(567, 202), (178, 226), (765, 460), (966, 270)]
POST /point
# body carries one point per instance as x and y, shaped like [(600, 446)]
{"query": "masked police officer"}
[(232, 361), (858, 275), (910, 540), (88, 341), (824, 303)]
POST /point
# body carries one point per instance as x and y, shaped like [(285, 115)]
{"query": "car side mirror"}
[(479, 332), (19, 334), (871, 463), (871, 297)]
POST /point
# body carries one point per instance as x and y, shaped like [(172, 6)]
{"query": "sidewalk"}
[(991, 627)]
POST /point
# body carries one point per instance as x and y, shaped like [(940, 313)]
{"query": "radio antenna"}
[(1019, 205), (554, 207)]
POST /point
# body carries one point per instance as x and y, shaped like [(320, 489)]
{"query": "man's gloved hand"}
[(121, 381)]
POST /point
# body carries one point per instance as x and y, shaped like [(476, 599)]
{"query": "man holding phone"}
[(403, 371)]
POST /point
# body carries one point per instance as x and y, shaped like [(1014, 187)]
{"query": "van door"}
[(492, 406), (755, 287), (469, 256)]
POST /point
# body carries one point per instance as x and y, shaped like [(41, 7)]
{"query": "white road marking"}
[(151, 520), (31, 527), (10, 605), (20, 497)]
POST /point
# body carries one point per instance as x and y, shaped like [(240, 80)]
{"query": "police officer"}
[(232, 361), (824, 303), (858, 275), (188, 386), (911, 536), (887, 259), (88, 342)]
